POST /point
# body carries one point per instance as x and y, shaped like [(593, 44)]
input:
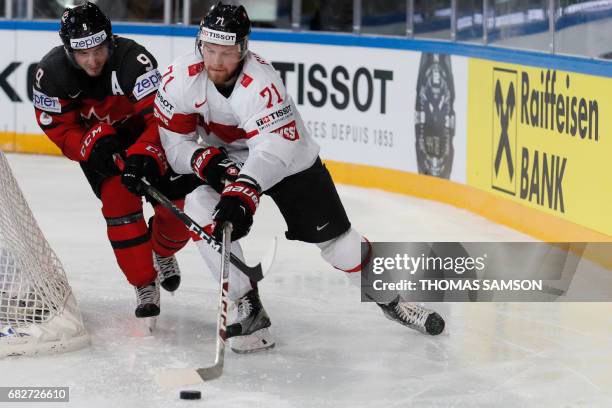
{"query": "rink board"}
[(362, 99), (543, 140), (360, 110)]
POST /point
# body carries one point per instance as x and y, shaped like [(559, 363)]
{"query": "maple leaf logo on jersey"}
[(93, 117)]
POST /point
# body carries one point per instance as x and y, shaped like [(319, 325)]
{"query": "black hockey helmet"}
[(85, 26), (225, 24)]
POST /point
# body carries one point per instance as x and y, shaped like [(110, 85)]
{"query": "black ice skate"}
[(147, 304), (413, 316), (168, 271), (147, 298), (249, 332)]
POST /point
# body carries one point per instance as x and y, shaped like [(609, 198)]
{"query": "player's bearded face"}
[(92, 60), (221, 61)]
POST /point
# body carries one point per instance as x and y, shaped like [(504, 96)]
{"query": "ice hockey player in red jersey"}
[(93, 98), (224, 114)]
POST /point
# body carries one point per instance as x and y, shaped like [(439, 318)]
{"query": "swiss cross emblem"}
[(195, 69), (246, 80)]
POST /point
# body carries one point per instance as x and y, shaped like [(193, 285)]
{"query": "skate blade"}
[(143, 326), (150, 324), (261, 340)]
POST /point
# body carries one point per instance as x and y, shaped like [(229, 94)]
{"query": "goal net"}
[(38, 312)]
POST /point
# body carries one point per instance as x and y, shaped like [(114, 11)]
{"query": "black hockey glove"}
[(144, 160), (237, 205), (136, 167), (214, 167)]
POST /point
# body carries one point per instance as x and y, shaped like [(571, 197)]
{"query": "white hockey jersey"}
[(258, 124)]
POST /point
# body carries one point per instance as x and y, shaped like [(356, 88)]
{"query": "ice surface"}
[(332, 350)]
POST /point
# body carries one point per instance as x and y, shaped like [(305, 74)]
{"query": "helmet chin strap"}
[(70, 57)]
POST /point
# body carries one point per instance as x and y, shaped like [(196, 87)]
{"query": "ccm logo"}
[(158, 153), (87, 141)]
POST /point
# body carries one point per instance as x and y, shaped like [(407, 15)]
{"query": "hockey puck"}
[(190, 395)]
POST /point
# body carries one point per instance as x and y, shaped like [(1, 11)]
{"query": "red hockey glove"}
[(97, 148), (214, 167), (237, 205)]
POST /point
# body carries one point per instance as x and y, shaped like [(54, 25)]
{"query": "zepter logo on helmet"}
[(225, 25), (84, 27), (88, 42)]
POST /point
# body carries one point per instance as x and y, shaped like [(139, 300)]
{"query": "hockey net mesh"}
[(34, 289)]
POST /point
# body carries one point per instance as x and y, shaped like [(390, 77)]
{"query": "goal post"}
[(38, 312)]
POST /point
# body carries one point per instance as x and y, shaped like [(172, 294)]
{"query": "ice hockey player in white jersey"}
[(224, 114)]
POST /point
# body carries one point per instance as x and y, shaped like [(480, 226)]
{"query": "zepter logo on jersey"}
[(217, 37), (46, 103), (88, 42), (146, 83)]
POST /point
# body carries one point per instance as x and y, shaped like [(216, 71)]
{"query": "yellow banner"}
[(542, 138)]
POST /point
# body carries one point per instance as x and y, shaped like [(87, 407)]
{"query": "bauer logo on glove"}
[(243, 191), (237, 205)]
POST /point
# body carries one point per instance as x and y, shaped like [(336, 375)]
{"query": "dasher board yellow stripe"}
[(27, 143), (537, 224)]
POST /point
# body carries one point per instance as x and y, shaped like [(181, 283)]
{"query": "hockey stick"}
[(175, 377), (215, 371), (190, 376), (254, 273)]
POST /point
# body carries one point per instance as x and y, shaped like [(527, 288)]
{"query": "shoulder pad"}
[(55, 76), (258, 70), (136, 69), (184, 69)]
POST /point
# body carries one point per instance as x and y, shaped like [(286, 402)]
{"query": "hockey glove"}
[(97, 148), (214, 167), (144, 160), (237, 205)]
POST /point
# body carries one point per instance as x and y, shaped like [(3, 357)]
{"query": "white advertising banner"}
[(395, 109)]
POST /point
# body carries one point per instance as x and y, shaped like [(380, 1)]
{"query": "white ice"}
[(332, 350)]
